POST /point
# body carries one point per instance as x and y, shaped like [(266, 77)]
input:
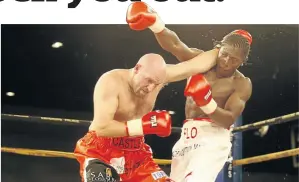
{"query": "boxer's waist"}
[(205, 121), (118, 143), (199, 119)]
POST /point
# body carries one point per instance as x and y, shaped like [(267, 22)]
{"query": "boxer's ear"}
[(245, 61), (217, 44), (137, 68)]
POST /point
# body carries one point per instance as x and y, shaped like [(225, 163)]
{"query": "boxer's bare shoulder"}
[(109, 77), (242, 85), (116, 78), (115, 74), (222, 89), (129, 105)]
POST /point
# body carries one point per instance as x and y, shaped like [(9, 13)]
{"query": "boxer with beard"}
[(114, 149)]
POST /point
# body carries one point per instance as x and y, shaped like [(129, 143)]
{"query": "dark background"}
[(60, 82)]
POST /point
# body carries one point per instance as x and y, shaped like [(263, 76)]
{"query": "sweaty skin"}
[(230, 88), (220, 92), (120, 95), (222, 89), (115, 103)]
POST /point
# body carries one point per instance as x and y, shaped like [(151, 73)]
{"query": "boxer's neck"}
[(130, 80), (224, 74)]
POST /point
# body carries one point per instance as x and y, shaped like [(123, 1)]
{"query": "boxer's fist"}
[(155, 122), (200, 90), (140, 16)]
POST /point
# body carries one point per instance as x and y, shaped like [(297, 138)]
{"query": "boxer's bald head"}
[(149, 72), (153, 64)]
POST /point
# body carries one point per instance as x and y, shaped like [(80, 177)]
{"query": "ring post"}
[(238, 151), (228, 172)]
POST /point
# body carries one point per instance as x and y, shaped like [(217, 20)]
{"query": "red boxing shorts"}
[(129, 156)]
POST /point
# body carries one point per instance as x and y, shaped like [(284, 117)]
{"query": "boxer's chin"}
[(141, 93)]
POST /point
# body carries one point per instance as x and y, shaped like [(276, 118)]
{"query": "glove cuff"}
[(210, 107), (134, 127), (158, 26)]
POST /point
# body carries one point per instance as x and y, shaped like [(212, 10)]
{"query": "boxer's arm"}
[(169, 41), (234, 105), (199, 64), (105, 105)]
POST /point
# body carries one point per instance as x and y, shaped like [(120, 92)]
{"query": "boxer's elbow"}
[(232, 116), (223, 118), (229, 121), (110, 129), (99, 127), (224, 122)]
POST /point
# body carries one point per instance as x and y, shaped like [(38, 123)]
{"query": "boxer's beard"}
[(131, 85)]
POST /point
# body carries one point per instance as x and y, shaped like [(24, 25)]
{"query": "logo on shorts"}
[(127, 143), (118, 164), (158, 175), (108, 172), (185, 150)]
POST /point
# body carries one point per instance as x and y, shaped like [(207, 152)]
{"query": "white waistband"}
[(204, 122)]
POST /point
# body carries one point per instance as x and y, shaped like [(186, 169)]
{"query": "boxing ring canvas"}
[(230, 173)]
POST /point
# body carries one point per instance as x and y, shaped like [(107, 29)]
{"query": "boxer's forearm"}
[(111, 128), (222, 117), (200, 64), (168, 40)]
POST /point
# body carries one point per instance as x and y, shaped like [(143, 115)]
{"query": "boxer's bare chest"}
[(132, 107), (222, 88)]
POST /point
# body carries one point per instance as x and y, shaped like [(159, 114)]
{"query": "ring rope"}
[(245, 161), (272, 121), (40, 118), (52, 153), (267, 157)]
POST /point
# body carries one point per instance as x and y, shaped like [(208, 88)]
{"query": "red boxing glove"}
[(200, 90), (140, 16), (155, 122)]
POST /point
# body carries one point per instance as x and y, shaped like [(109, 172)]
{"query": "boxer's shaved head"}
[(149, 72), (154, 65)]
